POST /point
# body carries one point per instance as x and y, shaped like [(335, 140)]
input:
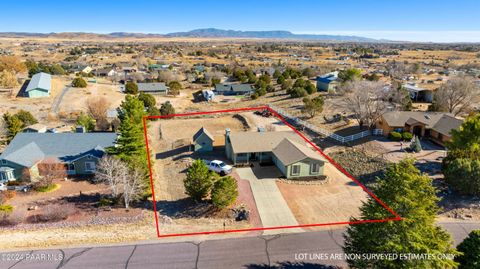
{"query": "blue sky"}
[(420, 20)]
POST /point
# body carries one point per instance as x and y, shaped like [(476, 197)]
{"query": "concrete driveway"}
[(272, 208)]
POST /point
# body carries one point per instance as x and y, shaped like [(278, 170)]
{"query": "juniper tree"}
[(412, 196)]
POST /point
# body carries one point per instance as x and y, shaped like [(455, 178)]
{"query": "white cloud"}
[(419, 36)]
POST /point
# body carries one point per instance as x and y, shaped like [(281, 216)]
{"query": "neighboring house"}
[(35, 128), (436, 126), (233, 89), (79, 152), (327, 82), (153, 88), (203, 141), (39, 86), (285, 149), (418, 94), (105, 72)]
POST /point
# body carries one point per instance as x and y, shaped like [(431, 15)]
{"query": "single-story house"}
[(233, 89), (153, 88), (327, 82), (35, 128), (436, 126), (79, 152), (285, 149), (418, 94), (203, 141), (39, 86), (105, 72)]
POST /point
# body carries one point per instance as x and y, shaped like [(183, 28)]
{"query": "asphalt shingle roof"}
[(28, 148), (40, 80), (200, 132), (243, 88), (159, 87), (289, 152), (446, 124), (399, 118), (246, 142)]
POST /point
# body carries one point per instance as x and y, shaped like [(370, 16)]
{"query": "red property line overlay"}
[(396, 218)]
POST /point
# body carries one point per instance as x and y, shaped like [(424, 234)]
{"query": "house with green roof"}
[(79, 152), (233, 89), (39, 86)]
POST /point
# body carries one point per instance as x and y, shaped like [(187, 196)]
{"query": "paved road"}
[(248, 252), (272, 208)]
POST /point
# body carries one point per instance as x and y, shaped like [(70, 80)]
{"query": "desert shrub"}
[(395, 136), (104, 201), (254, 96), (463, 175), (46, 188), (297, 92), (224, 192), (407, 136), (131, 87), (6, 209), (56, 212), (79, 83)]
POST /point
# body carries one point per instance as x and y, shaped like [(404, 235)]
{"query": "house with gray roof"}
[(285, 149), (233, 89), (436, 126), (79, 152), (39, 86), (203, 140), (327, 82), (418, 94), (153, 88)]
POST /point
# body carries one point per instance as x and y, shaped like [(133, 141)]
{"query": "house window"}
[(314, 168), (3, 176), (90, 167), (295, 170)]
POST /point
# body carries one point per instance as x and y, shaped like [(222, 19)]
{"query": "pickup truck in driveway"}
[(219, 167)]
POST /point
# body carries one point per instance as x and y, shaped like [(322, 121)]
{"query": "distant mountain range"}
[(200, 33)]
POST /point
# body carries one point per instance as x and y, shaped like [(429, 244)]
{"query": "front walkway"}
[(272, 208)]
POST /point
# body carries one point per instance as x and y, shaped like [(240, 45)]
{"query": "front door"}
[(253, 156), (417, 130)]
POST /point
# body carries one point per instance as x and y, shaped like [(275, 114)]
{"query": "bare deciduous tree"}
[(122, 180), (132, 186), (111, 170), (366, 100), (49, 170), (97, 108), (456, 95)]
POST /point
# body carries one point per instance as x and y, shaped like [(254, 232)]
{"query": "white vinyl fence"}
[(323, 132)]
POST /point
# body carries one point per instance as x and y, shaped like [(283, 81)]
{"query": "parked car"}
[(219, 167)]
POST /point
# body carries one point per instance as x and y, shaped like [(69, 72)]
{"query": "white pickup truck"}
[(219, 167)]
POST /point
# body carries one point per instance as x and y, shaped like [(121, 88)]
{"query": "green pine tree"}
[(470, 247), (412, 196), (199, 181), (224, 192), (130, 144)]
